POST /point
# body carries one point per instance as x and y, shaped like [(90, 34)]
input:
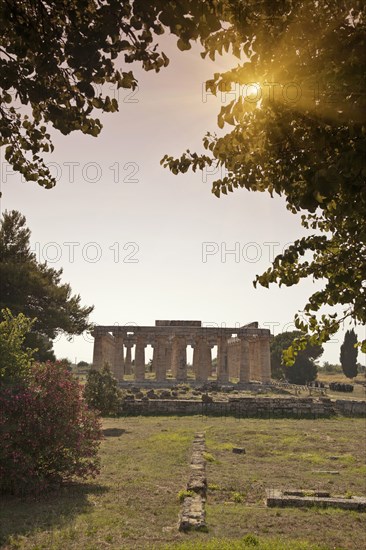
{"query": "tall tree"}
[(33, 288), (349, 353), (304, 369), (298, 130)]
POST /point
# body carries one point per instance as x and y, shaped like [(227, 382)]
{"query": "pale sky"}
[(142, 244)]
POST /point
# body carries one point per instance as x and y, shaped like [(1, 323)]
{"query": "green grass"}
[(236, 496), (213, 487), (183, 493), (145, 463), (248, 542), (219, 446), (209, 457)]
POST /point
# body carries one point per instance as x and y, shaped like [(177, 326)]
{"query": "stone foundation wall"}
[(279, 499), (349, 407), (192, 514), (265, 407)]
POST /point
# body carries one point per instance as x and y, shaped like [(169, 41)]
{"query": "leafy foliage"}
[(15, 361), (57, 58), (101, 391), (56, 441), (41, 345), (349, 354), (32, 288), (303, 370), (301, 135)]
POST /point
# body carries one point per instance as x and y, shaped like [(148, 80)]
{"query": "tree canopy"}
[(34, 289), (298, 130), (297, 119), (349, 354), (55, 58), (304, 369)]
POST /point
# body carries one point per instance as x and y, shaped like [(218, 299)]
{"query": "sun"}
[(252, 92), (253, 89)]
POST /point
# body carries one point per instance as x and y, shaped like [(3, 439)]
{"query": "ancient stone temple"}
[(243, 354)]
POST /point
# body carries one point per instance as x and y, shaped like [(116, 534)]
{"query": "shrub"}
[(101, 391), (48, 434), (303, 371), (15, 361), (209, 457), (250, 540), (237, 497)]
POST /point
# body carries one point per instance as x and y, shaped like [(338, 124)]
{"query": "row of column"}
[(257, 352), (253, 357)]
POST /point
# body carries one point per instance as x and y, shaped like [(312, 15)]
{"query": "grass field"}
[(134, 504)]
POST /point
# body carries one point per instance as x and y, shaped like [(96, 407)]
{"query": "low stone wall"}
[(349, 407), (246, 407), (211, 385), (192, 516), (276, 498)]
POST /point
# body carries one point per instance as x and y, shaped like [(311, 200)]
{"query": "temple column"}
[(254, 355), (202, 351), (257, 355), (140, 359), (200, 359), (119, 358), (184, 356), (244, 362), (179, 358), (173, 362), (195, 358), (265, 360), (251, 359), (160, 359), (233, 358), (154, 346), (208, 360), (128, 362), (168, 356), (222, 365), (237, 356), (98, 356)]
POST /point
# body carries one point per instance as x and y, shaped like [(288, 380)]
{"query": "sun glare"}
[(253, 93)]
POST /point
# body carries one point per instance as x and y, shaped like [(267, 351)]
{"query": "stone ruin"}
[(242, 353), (192, 515)]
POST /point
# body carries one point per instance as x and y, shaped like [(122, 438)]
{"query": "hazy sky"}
[(142, 244)]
